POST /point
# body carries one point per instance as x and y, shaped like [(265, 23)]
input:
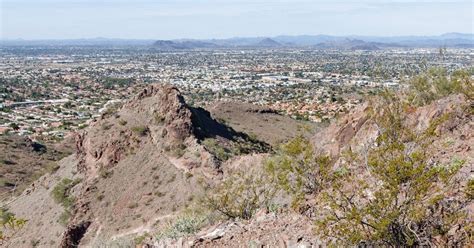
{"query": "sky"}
[(203, 19)]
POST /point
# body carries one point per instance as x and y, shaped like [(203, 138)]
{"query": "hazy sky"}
[(170, 19)]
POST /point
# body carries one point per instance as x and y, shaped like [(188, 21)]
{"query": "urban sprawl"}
[(46, 92)]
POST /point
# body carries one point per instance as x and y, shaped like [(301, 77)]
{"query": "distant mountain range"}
[(351, 42)]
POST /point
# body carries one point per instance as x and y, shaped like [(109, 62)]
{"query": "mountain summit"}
[(268, 42)]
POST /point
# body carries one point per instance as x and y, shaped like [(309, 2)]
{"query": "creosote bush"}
[(61, 192), (402, 197), (298, 171), (391, 194)]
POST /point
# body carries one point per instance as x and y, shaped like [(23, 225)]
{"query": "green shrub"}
[(106, 126), (188, 174), (394, 204), (179, 150), (139, 239), (221, 153), (3, 182), (104, 172), (61, 192), (61, 195), (52, 167), (184, 225), (133, 205), (64, 218), (470, 189), (298, 171), (34, 242), (438, 83), (9, 225), (241, 194), (159, 119), (140, 130), (112, 109)]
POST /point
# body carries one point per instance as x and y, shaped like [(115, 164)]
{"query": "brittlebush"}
[(9, 225)]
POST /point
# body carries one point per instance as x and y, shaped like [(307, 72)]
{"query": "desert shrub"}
[(4, 182), (61, 194), (221, 153), (139, 239), (159, 119), (120, 242), (438, 83), (252, 137), (178, 150), (9, 225), (242, 193), (140, 130), (64, 217), (298, 171), (52, 167), (184, 225), (402, 197), (106, 126), (470, 189), (112, 109), (133, 205), (34, 242), (104, 172)]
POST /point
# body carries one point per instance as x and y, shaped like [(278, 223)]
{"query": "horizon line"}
[(234, 37)]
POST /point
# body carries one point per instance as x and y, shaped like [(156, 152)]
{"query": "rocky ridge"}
[(134, 167)]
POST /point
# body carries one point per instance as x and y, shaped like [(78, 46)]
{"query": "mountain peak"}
[(268, 42)]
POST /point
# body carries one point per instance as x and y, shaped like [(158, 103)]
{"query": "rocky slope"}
[(23, 160), (139, 167), (262, 122), (133, 168)]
